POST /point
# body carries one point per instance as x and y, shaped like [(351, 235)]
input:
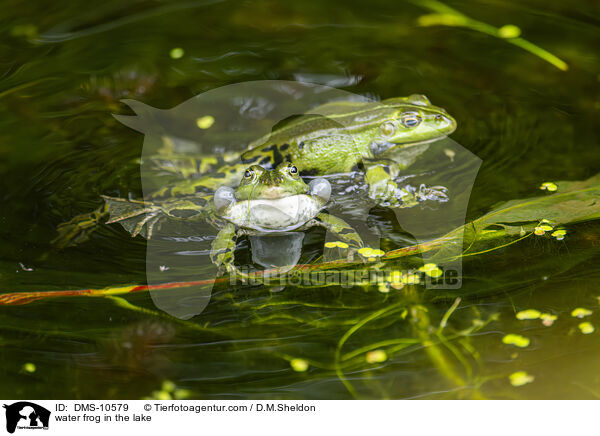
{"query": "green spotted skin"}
[(337, 138), (223, 247)]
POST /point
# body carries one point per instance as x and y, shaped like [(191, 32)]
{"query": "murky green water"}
[(63, 69)]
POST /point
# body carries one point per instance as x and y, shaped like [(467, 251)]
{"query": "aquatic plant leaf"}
[(573, 202)]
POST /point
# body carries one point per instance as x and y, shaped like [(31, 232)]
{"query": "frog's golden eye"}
[(410, 120), (249, 174), (387, 129), (293, 170)]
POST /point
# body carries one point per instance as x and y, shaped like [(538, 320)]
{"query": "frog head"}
[(273, 200), (408, 121), (258, 183)]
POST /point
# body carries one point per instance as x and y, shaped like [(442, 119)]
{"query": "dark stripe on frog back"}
[(263, 159)]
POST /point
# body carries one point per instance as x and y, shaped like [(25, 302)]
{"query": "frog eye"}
[(387, 129), (249, 174), (293, 170), (410, 120)]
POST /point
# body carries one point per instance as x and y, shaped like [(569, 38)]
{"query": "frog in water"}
[(273, 201), (379, 138), (266, 201)]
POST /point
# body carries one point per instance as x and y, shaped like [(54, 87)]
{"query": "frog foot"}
[(409, 196), (79, 228), (434, 193), (386, 192), (137, 217)]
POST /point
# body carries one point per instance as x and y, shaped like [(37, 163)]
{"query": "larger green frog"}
[(379, 138)]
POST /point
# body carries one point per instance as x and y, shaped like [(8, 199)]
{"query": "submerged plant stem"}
[(445, 15)]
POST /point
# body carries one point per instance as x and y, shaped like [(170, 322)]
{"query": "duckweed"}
[(548, 186), (205, 122), (176, 53), (528, 314), (520, 378), (168, 386), (411, 279), (395, 279), (548, 319), (516, 340), (370, 252), (586, 328), (161, 395), (383, 288), (29, 367), (376, 356), (581, 312), (299, 365), (509, 31), (432, 270)]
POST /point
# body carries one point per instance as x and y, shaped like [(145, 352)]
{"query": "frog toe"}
[(385, 192), (79, 228), (434, 193)]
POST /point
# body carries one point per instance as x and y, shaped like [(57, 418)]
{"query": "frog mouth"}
[(380, 147), (274, 193)]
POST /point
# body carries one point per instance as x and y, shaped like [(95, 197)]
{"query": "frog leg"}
[(228, 175), (380, 175), (223, 247), (79, 228), (141, 218)]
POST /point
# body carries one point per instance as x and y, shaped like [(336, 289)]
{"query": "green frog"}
[(378, 138), (274, 201), (266, 201)]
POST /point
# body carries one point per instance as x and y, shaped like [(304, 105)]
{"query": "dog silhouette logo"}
[(26, 415)]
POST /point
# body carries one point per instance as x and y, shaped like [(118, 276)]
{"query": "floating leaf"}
[(509, 31), (29, 367), (548, 319), (376, 356), (577, 201), (586, 328), (370, 252), (516, 340), (299, 365), (205, 122), (581, 312), (548, 186), (383, 288), (432, 270), (528, 314), (520, 378), (176, 53)]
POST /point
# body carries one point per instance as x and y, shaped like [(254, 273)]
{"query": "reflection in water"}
[(280, 250)]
